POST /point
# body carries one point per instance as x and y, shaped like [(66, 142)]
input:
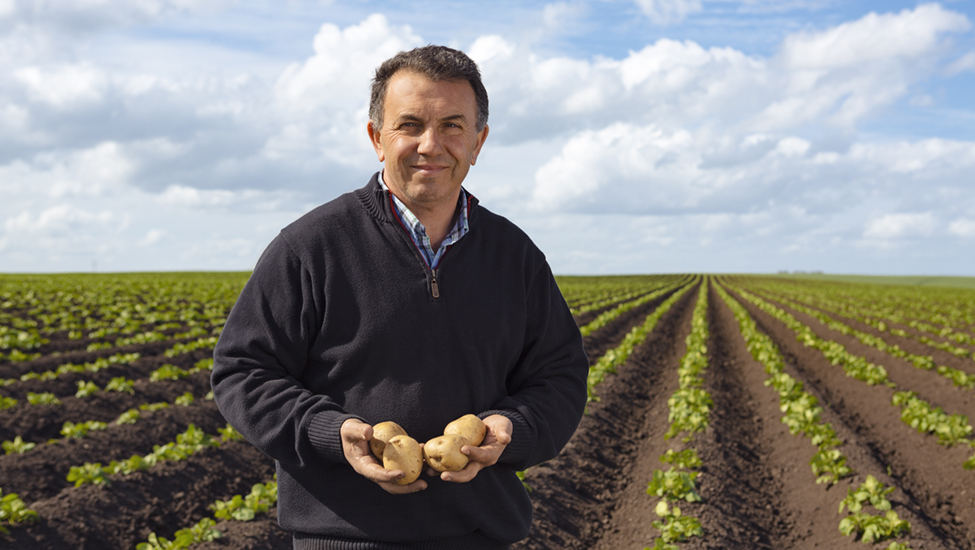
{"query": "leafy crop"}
[(130, 416), (86, 389), (13, 511), (17, 446), (245, 508), (81, 429), (44, 398), (203, 531), (674, 485), (871, 528), (674, 526), (120, 384), (919, 414)]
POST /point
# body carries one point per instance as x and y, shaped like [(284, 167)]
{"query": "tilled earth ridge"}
[(930, 480)]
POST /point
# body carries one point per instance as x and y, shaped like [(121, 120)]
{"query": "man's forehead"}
[(409, 93)]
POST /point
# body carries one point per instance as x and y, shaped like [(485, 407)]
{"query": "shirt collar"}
[(460, 227)]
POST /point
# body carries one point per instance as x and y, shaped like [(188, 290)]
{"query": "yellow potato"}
[(443, 453), (469, 427), (381, 433), (402, 452)]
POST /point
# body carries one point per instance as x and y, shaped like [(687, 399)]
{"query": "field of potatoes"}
[(725, 412)]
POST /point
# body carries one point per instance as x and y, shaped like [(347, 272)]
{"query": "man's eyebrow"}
[(416, 118)]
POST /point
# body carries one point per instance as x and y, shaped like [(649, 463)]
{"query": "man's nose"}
[(429, 142)]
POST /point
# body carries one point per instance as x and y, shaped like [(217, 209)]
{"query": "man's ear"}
[(376, 142), (481, 137)]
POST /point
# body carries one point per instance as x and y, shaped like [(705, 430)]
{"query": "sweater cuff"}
[(325, 434), (522, 438)]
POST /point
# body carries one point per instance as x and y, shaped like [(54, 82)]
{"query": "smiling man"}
[(407, 301)]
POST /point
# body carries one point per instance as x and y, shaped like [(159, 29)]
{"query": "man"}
[(406, 301)]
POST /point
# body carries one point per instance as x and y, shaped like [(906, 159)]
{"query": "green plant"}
[(42, 398), (120, 384), (87, 473), (130, 416), (673, 525), (674, 485), (185, 400), (86, 389), (134, 463), (167, 372), (81, 429), (228, 433), (871, 528), (7, 402), (17, 446), (244, 508), (13, 511), (829, 465), (686, 459), (689, 411)]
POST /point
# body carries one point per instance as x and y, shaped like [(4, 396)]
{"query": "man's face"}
[(429, 140)]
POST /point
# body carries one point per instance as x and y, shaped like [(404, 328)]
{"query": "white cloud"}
[(191, 197), (59, 220), (686, 146), (343, 64), (962, 64), (152, 237), (663, 12), (964, 227), (895, 226), (64, 87)]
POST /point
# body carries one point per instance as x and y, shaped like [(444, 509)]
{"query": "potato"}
[(443, 453), (381, 433), (402, 452), (469, 427)]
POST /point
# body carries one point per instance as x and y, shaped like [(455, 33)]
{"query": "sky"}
[(626, 136)]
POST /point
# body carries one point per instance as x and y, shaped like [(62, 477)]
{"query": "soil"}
[(757, 487)]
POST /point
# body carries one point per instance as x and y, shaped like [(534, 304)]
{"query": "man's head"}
[(427, 124), (438, 63)]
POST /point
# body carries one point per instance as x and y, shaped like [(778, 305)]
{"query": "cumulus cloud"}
[(681, 144), (893, 226), (58, 221), (663, 12), (343, 63)]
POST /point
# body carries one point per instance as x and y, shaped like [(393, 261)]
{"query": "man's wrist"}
[(522, 436)]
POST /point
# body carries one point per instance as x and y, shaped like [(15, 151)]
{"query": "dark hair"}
[(436, 63)]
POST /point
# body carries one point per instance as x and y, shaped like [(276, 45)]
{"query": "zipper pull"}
[(434, 287)]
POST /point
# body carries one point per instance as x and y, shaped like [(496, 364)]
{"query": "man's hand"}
[(355, 442), (498, 436)]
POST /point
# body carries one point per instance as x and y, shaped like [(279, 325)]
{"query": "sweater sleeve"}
[(259, 360), (547, 389)]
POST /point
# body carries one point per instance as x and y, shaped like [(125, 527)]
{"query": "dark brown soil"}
[(758, 489)]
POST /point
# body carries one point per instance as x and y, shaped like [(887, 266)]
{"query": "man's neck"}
[(437, 219)]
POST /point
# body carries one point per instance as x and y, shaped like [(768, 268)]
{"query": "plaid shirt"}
[(419, 233)]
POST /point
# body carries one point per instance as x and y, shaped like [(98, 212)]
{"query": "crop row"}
[(690, 408), (610, 361), (802, 414), (882, 310), (926, 362), (955, 428)]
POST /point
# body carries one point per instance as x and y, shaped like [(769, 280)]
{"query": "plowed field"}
[(756, 486)]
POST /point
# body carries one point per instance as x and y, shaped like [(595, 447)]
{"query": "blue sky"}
[(637, 136)]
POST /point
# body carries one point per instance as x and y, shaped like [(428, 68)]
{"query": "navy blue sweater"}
[(340, 320)]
